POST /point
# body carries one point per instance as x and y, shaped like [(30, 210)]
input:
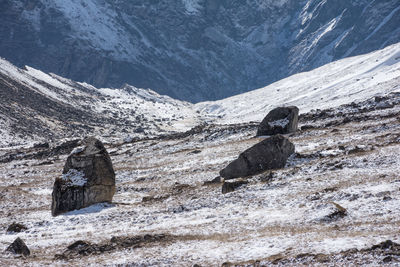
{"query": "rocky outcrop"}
[(19, 247), (271, 153), (88, 178), (281, 120)]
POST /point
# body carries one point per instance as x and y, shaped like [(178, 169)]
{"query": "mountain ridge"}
[(191, 50)]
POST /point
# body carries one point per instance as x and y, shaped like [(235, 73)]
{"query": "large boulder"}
[(271, 153), (88, 178), (280, 120)]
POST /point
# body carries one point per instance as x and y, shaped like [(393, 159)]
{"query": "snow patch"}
[(192, 6), (77, 150), (74, 177), (263, 4), (97, 23), (279, 123)]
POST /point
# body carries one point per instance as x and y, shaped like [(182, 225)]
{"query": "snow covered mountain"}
[(191, 49)]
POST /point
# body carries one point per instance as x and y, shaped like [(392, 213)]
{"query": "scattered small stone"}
[(306, 127), (154, 198), (16, 228), (386, 198), (84, 248), (197, 151), (314, 197), (339, 212), (42, 145), (47, 162), (228, 187), (19, 247), (330, 189), (388, 244), (267, 178), (387, 259), (216, 180), (179, 209)]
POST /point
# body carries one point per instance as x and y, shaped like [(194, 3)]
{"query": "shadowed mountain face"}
[(191, 49)]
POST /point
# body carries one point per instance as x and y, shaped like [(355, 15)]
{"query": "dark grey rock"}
[(281, 120), (216, 180), (88, 178), (19, 247), (228, 187), (16, 228), (337, 213), (271, 153)]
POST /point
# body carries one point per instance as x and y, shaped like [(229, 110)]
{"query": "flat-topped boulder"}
[(271, 153), (281, 120), (88, 178)]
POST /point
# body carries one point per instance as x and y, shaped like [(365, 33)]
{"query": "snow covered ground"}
[(349, 158), (162, 213)]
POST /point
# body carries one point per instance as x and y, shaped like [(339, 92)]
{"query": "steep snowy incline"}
[(337, 83), (35, 106)]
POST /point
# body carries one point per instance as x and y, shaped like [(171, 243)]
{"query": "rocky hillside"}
[(39, 107), (191, 49), (335, 203)]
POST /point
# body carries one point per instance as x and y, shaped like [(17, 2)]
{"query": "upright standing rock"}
[(271, 153), (281, 120), (88, 178)]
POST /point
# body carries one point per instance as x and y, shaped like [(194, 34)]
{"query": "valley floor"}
[(163, 214)]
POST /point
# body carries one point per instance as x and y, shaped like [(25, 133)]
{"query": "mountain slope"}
[(191, 49), (35, 106), (45, 107), (341, 82)]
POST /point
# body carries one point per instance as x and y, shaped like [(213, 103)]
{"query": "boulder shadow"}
[(95, 208)]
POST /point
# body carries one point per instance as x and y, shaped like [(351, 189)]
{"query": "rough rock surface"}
[(88, 178), (19, 247), (270, 153), (281, 120)]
